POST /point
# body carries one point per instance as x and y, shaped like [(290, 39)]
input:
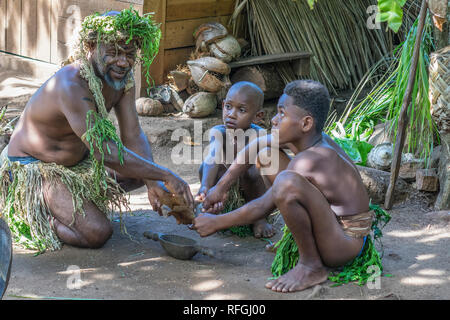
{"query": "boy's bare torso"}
[(333, 173), (230, 139)]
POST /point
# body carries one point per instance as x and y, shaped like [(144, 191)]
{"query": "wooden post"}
[(403, 117), (157, 67)]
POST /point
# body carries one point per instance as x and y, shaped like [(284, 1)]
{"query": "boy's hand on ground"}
[(205, 224), (214, 200)]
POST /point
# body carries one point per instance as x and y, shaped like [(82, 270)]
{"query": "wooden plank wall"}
[(178, 22), (26, 28), (43, 29)]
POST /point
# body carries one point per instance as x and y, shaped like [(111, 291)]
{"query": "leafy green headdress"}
[(126, 25), (113, 27)]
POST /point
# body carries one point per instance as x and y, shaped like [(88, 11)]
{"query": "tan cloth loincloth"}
[(357, 225)]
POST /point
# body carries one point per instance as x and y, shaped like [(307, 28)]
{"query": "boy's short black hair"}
[(311, 96), (250, 88)]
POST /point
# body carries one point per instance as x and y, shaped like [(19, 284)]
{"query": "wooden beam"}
[(189, 9), (194, 9), (270, 58), (403, 117)]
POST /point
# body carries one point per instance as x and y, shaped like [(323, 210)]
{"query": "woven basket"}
[(439, 92)]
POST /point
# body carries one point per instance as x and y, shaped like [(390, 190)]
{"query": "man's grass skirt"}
[(23, 205)]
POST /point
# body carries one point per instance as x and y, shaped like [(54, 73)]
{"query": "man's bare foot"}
[(263, 229), (297, 279)]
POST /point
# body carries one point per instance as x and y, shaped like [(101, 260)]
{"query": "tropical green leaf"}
[(390, 11), (311, 3), (384, 101), (356, 150)]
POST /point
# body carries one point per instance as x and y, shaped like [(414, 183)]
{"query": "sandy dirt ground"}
[(416, 254)]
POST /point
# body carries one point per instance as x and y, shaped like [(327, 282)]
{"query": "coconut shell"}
[(205, 80), (211, 64), (208, 33), (178, 208), (192, 87), (380, 157), (201, 104), (226, 49), (176, 100), (149, 107), (180, 79)]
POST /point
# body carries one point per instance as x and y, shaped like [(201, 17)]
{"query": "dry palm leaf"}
[(335, 32)]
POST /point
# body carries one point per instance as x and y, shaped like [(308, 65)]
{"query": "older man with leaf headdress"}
[(66, 167)]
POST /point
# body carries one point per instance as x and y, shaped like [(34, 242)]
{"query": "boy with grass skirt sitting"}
[(319, 192), (66, 168), (241, 107)]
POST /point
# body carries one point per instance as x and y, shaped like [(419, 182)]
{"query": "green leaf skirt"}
[(361, 269)]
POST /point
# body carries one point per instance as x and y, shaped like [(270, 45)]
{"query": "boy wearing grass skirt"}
[(67, 167), (319, 192), (241, 107)]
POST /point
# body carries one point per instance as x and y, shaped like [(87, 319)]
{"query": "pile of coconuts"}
[(199, 86)]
